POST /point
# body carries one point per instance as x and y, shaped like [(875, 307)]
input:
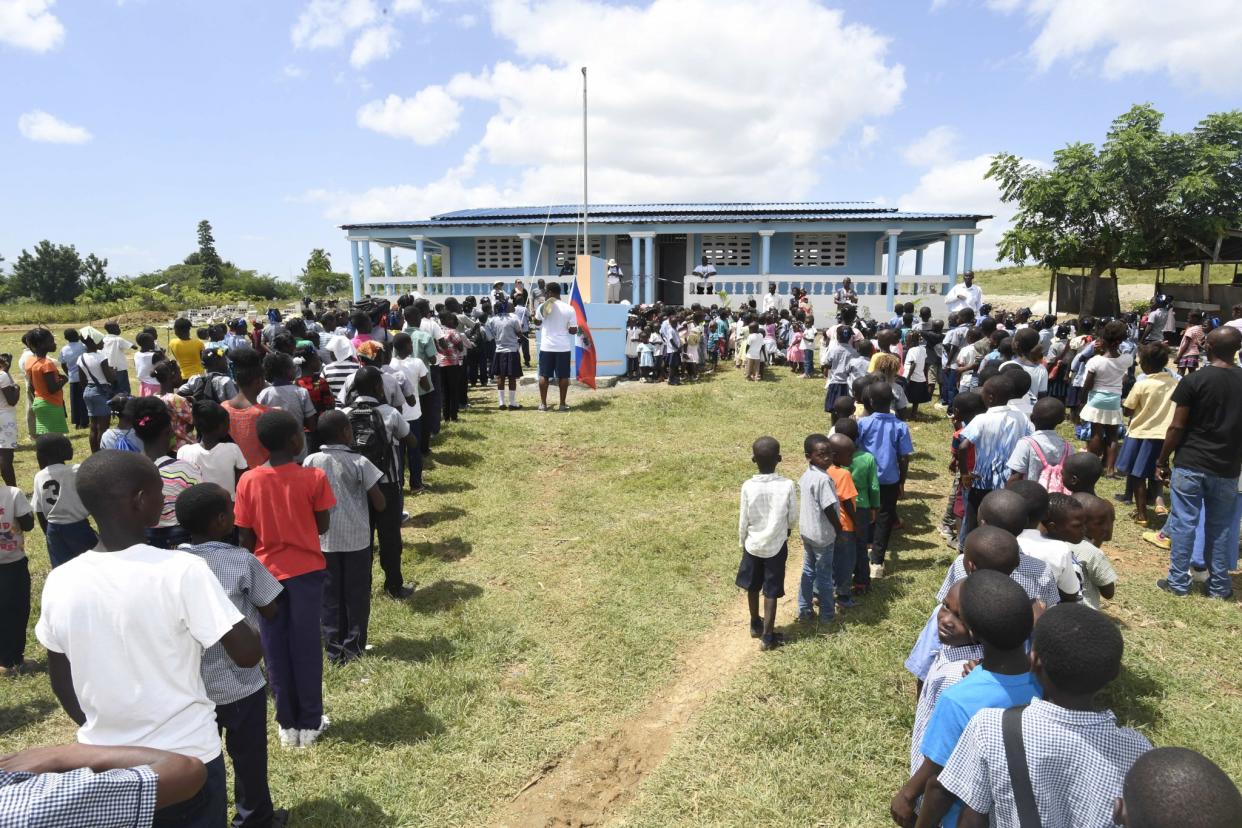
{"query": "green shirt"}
[(866, 480), (424, 349)]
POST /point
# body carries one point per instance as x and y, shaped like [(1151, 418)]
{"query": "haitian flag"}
[(584, 345)]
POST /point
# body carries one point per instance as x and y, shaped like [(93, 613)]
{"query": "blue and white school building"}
[(805, 245)]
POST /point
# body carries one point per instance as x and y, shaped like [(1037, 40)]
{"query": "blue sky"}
[(130, 121)]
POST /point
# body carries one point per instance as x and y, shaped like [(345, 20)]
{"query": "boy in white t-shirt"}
[(56, 502), (1055, 553), (417, 377), (130, 609), (9, 395), (16, 520), (754, 353), (219, 461)]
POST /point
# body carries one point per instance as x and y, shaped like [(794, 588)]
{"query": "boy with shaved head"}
[(768, 511)]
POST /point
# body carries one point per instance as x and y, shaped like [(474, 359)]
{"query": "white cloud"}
[(467, 21), (45, 128), (958, 186), (869, 135), (1195, 43), (667, 122), (30, 24), (427, 118), (292, 71), (935, 146), (375, 43), (326, 23)]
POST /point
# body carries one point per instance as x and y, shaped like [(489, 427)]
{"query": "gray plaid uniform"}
[(1032, 574), (123, 798), (945, 672), (1078, 761), (249, 585), (350, 475)]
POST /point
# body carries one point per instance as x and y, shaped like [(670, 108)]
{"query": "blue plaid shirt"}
[(82, 798)]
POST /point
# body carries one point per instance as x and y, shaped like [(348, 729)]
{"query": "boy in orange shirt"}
[(281, 510), (841, 451)]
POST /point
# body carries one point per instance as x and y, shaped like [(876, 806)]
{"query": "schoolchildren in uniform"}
[(239, 693)]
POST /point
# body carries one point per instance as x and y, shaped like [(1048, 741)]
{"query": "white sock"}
[(500, 397), (512, 396)]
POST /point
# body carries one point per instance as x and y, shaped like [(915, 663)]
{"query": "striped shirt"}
[(1078, 761), (177, 476), (768, 511), (336, 373), (249, 586)]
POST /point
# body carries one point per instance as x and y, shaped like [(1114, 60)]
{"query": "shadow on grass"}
[(449, 549), (24, 714), (405, 722), (453, 487), (591, 404), (347, 811), (444, 514), (443, 595), (414, 649), (456, 458), (1135, 696)]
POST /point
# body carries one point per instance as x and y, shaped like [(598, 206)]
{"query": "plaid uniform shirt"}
[(123, 798), (1078, 761), (945, 672), (249, 586), (1032, 574)]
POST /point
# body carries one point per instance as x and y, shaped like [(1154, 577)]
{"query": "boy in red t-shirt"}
[(281, 510)]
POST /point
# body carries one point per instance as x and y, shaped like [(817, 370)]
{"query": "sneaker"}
[(562, 407), (1198, 576), (402, 592), (1158, 539), (877, 571), (515, 408), (542, 407), (306, 738), (756, 628), (280, 818), (846, 602), (1228, 596), (289, 737), (771, 642), (1163, 585)]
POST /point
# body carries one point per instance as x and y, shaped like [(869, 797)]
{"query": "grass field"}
[(570, 568)]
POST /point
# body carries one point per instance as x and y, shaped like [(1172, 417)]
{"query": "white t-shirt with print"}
[(56, 494), (13, 505), (134, 624), (554, 335), (218, 464)]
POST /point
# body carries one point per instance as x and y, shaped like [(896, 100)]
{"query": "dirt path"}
[(597, 779)]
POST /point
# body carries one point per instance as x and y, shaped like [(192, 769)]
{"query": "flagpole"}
[(586, 239)]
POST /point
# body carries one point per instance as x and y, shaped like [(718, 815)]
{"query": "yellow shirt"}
[(1151, 400), (189, 355)]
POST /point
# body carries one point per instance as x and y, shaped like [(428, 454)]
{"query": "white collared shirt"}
[(768, 511), (1056, 554)]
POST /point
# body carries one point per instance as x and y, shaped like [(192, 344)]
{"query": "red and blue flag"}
[(584, 347)]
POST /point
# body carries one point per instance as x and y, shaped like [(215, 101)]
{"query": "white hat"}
[(612, 262)]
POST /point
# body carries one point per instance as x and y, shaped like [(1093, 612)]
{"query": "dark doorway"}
[(670, 268)]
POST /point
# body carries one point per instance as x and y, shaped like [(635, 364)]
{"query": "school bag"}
[(371, 437), (1051, 477)]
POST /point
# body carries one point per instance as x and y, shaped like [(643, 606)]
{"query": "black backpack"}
[(371, 437)]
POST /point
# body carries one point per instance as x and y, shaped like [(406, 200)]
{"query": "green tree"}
[(318, 278), (1145, 197), (94, 272), (212, 279), (318, 260), (51, 275)]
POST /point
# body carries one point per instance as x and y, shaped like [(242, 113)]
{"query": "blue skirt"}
[(1138, 457), (835, 389)]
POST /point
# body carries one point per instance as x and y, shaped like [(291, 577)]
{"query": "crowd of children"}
[(278, 459), (1009, 663)]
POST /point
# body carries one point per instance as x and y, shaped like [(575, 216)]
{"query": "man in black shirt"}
[(1206, 435)]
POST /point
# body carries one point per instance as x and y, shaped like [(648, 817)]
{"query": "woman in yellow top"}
[(186, 350)]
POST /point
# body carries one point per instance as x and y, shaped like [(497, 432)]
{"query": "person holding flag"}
[(584, 346), (558, 323)]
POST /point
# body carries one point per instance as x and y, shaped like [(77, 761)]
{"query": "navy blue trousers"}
[(294, 653), (244, 726)]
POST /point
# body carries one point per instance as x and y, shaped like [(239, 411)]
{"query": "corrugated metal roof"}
[(456, 220), (673, 207)]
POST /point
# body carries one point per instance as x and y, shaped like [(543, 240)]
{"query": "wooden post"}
[(1052, 283), (1205, 290)]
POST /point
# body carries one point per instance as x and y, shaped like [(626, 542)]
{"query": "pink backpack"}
[(1050, 476)]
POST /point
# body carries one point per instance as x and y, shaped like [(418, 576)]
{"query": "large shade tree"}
[(1145, 197), (52, 274)]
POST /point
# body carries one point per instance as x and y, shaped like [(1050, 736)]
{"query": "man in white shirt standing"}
[(126, 625), (558, 324), (706, 271), (964, 295), (770, 299)]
